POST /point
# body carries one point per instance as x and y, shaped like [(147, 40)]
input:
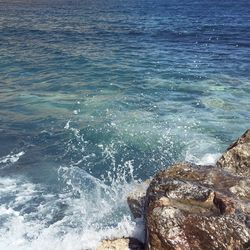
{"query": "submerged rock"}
[(197, 207), (121, 244), (237, 157)]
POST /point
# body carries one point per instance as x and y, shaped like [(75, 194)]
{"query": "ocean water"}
[(96, 96)]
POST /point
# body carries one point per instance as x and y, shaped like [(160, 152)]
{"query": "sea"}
[(97, 96)]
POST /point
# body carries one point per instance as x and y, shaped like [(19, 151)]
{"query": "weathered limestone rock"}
[(192, 207), (121, 244), (237, 157), (136, 199)]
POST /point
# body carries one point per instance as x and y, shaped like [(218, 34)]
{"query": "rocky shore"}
[(191, 207)]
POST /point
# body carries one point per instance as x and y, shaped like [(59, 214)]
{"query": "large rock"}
[(121, 244), (237, 157), (197, 207)]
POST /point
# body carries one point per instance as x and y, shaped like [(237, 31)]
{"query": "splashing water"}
[(95, 98)]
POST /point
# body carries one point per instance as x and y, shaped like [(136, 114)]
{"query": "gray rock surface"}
[(237, 157)]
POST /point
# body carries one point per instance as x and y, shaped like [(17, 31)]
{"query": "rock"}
[(191, 207), (136, 199), (121, 244), (242, 189), (237, 157)]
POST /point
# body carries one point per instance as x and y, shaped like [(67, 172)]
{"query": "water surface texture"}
[(96, 96)]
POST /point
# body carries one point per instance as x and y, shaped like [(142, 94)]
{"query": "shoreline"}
[(188, 206)]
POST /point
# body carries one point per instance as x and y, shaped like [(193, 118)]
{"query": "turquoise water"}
[(96, 96)]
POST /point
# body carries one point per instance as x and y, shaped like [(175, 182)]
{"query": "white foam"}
[(14, 237), (67, 125), (202, 149), (207, 159), (90, 213), (11, 158)]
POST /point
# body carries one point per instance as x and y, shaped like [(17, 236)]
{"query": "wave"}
[(10, 159)]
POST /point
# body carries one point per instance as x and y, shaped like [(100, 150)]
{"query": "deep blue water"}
[(96, 96)]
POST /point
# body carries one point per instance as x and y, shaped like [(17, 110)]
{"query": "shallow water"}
[(96, 96)]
